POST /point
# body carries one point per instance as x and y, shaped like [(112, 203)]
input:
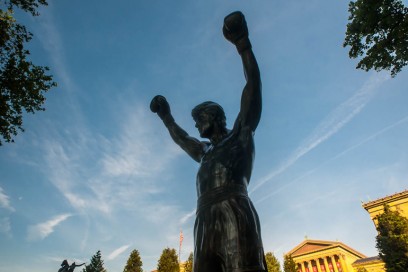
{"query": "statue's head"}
[(207, 115), (64, 262)]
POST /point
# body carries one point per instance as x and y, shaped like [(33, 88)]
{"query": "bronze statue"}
[(227, 232), (65, 267), (73, 265)]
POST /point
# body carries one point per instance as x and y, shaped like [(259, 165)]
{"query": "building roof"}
[(312, 246), (368, 260), (381, 201)]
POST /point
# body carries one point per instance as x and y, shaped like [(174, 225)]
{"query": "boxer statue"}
[(227, 232)]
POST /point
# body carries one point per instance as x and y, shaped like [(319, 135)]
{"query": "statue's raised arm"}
[(236, 31), (193, 147)]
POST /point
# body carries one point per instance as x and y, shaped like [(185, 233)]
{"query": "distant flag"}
[(181, 237), (181, 241)]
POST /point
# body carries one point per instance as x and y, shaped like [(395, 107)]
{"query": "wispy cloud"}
[(117, 252), (123, 172), (344, 152), (5, 201), (187, 216), (51, 40), (335, 121), (5, 226), (102, 177), (42, 230), (116, 162)]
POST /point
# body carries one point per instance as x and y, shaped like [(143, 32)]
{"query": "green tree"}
[(22, 84), (168, 261), (289, 264), (96, 264), (134, 263), (378, 32), (272, 262), (188, 266), (392, 240)]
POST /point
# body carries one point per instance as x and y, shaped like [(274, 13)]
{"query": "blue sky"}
[(98, 171)]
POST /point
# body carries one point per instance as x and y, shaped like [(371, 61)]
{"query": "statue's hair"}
[(212, 108)]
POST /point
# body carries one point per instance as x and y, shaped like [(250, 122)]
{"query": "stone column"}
[(342, 264), (310, 266), (334, 264), (326, 265), (303, 267), (319, 269)]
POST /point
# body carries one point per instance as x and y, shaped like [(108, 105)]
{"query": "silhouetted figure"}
[(227, 232), (64, 266), (73, 265)]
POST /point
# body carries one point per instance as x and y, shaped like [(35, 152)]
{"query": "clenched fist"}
[(235, 30), (160, 106)]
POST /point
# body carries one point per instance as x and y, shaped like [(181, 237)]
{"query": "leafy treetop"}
[(392, 240), (378, 32), (272, 262), (30, 6), (188, 266), (22, 84), (96, 264), (289, 264), (134, 263), (168, 261)]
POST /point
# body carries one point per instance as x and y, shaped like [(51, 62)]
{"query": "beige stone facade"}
[(372, 264), (324, 256), (398, 202)]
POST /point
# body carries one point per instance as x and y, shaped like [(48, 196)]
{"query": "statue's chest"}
[(220, 162)]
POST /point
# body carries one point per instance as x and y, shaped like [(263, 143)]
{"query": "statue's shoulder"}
[(206, 145)]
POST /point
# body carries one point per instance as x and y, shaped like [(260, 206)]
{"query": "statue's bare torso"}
[(227, 163)]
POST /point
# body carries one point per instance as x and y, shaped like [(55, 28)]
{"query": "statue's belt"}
[(220, 194)]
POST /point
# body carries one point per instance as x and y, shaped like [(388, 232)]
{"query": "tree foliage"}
[(134, 263), (168, 261), (392, 240), (188, 266), (289, 264), (378, 32), (272, 262), (96, 264), (22, 84)]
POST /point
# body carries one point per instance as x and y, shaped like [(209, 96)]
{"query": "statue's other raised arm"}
[(190, 145), (236, 31)]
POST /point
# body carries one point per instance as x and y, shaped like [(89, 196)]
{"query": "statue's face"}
[(205, 124)]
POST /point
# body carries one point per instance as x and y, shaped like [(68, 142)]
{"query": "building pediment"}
[(311, 246), (308, 246)]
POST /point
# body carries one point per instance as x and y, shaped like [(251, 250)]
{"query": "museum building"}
[(334, 256), (324, 256), (396, 202)]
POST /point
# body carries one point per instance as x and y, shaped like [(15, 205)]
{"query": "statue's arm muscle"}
[(251, 100), (190, 145)]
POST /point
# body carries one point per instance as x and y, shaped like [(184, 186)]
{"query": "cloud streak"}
[(369, 138), (42, 230), (187, 216), (5, 226), (117, 252), (5, 201), (334, 122), (117, 163)]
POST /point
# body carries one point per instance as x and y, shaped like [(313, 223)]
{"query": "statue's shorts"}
[(227, 232)]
